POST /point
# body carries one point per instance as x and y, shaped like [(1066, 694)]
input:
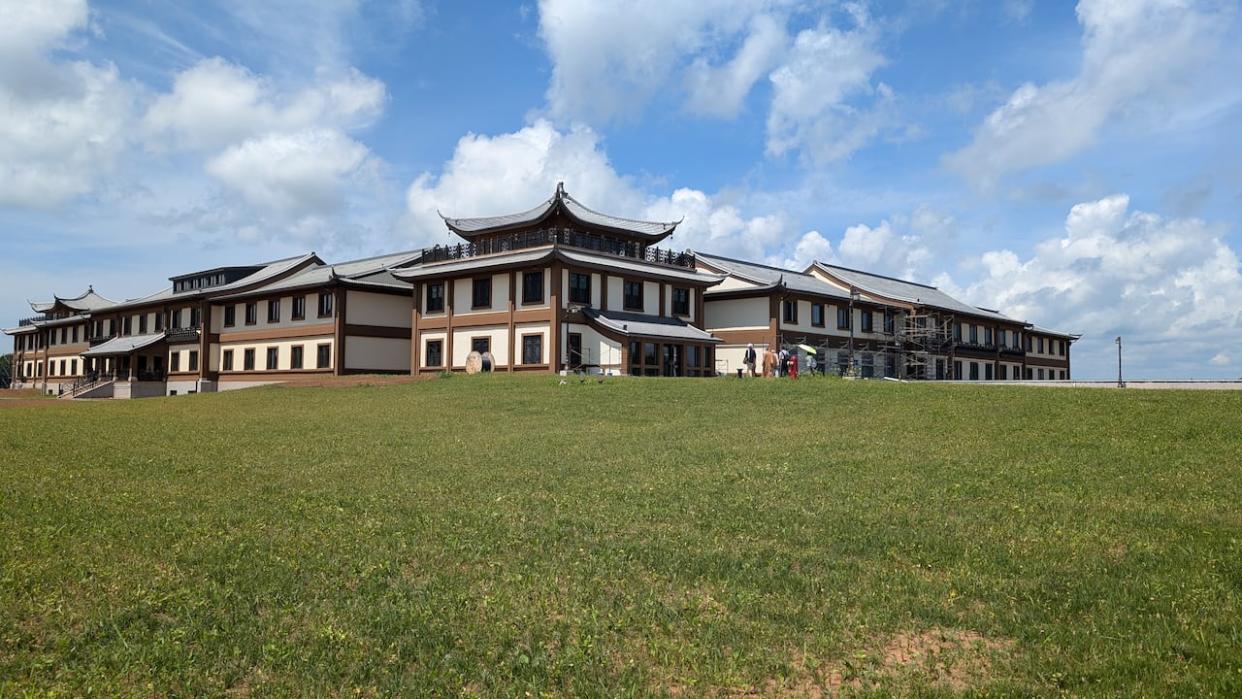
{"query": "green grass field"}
[(516, 537)]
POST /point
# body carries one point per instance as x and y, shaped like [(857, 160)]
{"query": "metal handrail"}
[(560, 236)]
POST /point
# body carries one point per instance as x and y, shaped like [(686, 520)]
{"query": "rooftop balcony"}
[(590, 242)]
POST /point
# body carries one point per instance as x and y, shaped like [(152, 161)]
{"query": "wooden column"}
[(603, 291), (416, 340), (339, 333), (662, 285), (449, 292), (554, 328), (512, 325), (204, 340)]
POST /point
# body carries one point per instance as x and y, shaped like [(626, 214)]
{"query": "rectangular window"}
[(817, 315), (867, 366), (295, 357), (252, 313), (987, 372), (159, 321), (142, 326), (579, 288), (193, 360), (325, 304), (957, 371), (681, 301), (1001, 337), (867, 321), (532, 349), (248, 360), (1040, 374), (299, 308), (632, 295), (480, 344), (273, 311), (62, 367), (575, 350), (174, 362), (194, 317), (226, 360), (974, 334), (843, 318), (957, 332), (273, 358), (636, 358), (175, 319), (532, 287), (435, 353), (974, 371), (1041, 345), (650, 357), (789, 311), (128, 325), (987, 336), (890, 322), (481, 293), (230, 316), (435, 297), (323, 356)]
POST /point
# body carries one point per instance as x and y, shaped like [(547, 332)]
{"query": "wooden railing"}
[(593, 242)]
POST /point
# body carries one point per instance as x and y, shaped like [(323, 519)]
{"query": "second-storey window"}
[(159, 321), (194, 317), (273, 311), (299, 307), (142, 326), (987, 336), (252, 313), (790, 311), (974, 334), (481, 293), (230, 316), (890, 322), (817, 315), (532, 287), (632, 299), (868, 321), (435, 297), (579, 287), (843, 318), (193, 360), (128, 325), (681, 301), (175, 362), (325, 304)]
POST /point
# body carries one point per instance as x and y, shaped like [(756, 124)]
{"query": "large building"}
[(557, 287)]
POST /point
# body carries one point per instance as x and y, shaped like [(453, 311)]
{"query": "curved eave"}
[(563, 203)]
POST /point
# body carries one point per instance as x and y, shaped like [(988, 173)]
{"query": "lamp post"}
[(1120, 382)]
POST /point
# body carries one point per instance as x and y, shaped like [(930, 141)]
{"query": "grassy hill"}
[(494, 536)]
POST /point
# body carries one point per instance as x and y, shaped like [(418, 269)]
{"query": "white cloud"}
[(720, 90), (816, 93), (1171, 287), (1137, 56), (490, 175), (62, 123), (216, 103), (1220, 359), (811, 246), (299, 174)]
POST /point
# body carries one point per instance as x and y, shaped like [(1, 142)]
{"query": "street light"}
[(852, 369), (1120, 383)]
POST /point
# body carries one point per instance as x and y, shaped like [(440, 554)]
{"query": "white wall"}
[(310, 353), (286, 314), (377, 353), (737, 314), (422, 349), (499, 335), (596, 349), (366, 308), (463, 295)]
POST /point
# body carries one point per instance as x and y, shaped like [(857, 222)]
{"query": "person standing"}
[(749, 358)]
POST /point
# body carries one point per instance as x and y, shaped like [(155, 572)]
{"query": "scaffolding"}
[(910, 344), (915, 341)]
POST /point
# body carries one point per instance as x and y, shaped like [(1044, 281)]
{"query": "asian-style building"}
[(558, 287)]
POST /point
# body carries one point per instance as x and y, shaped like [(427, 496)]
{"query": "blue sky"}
[(1076, 165)]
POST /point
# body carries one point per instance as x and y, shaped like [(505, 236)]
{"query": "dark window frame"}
[(843, 318), (326, 304), (866, 320), (580, 294), (538, 354), (252, 313), (192, 361), (248, 357), (174, 363), (681, 306), (439, 352), (297, 356), (298, 312), (532, 293), (271, 360), (230, 315), (789, 311), (226, 360), (817, 311), (323, 356), (434, 303), (478, 284), (486, 339), (628, 298), (273, 310)]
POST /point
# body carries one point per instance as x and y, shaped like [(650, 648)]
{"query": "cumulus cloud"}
[(814, 103), (1137, 55), (490, 175), (1172, 286), (62, 123), (216, 103), (611, 59)]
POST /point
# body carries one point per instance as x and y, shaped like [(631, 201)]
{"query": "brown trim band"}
[(279, 333), (377, 331), (245, 375)]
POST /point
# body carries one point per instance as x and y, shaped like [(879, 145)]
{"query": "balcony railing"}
[(181, 334), (32, 320), (560, 236), (99, 339)]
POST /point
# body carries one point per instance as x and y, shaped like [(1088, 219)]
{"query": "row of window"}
[(985, 371), (532, 349), (866, 318), (533, 293), (191, 361), (323, 358), (275, 310), (653, 359)]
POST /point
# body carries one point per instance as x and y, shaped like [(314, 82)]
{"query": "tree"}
[(6, 370)]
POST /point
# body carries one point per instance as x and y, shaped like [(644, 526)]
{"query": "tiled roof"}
[(572, 207), (470, 264), (86, 301), (642, 325), (1058, 333), (764, 275), (907, 291), (123, 345)]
